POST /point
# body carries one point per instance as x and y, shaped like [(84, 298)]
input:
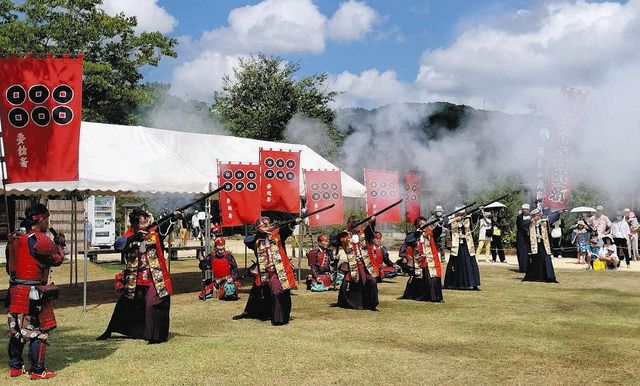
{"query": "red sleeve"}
[(45, 247)]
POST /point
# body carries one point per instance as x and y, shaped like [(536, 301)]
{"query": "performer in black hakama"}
[(540, 264), (359, 289), (462, 269), (143, 309), (270, 295), (522, 237), (421, 254)]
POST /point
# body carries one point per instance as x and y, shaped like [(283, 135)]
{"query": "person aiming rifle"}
[(270, 294), (462, 269), (142, 312), (358, 289)]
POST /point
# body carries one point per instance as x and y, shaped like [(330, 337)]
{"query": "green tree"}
[(114, 54), (262, 96)]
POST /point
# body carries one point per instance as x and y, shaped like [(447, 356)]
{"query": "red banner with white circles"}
[(41, 111), (382, 191), (240, 201), (323, 188), (413, 189), (280, 172)]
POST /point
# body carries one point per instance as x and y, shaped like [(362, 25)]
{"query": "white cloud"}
[(151, 17), (536, 52), (370, 88), (273, 26), (201, 77), (352, 21)]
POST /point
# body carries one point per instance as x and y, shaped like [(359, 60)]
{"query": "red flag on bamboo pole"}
[(240, 201), (382, 190), (41, 111), (558, 186), (323, 188), (280, 171), (413, 189)]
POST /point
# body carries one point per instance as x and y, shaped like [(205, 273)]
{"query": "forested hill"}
[(434, 119)]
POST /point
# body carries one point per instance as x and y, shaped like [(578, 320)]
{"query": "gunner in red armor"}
[(30, 299), (143, 309), (379, 254), (219, 273), (320, 261), (270, 295)]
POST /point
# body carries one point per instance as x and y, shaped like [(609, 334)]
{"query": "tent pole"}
[(6, 201), (75, 220), (86, 257), (299, 242), (246, 233), (207, 226), (3, 163), (73, 240)]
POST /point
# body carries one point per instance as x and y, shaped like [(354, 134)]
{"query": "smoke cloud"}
[(490, 149), (173, 113)]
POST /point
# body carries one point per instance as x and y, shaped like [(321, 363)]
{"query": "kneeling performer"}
[(219, 273), (320, 262)]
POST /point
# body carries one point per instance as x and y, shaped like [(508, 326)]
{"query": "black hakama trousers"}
[(462, 270), (146, 316), (269, 302), (415, 288), (540, 267), (433, 287), (357, 294), (522, 251), (425, 288)]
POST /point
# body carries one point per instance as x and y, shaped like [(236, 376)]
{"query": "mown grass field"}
[(585, 330)]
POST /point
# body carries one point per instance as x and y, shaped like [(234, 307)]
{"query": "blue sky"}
[(498, 54), (408, 28)]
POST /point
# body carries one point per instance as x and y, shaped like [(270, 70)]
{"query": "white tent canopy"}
[(202, 151), (115, 158)]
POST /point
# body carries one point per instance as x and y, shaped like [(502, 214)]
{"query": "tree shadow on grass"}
[(69, 346)]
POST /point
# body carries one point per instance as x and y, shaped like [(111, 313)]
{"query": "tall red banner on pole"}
[(558, 187), (323, 188), (280, 171), (413, 190), (382, 191), (41, 111), (240, 201)]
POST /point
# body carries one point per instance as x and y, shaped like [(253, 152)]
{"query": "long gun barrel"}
[(447, 215), (168, 216), (380, 212), (307, 215), (492, 201)]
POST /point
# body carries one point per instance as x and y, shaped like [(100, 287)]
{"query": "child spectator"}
[(580, 238)]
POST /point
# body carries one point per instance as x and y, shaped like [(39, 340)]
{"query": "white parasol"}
[(582, 209), (495, 204)]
